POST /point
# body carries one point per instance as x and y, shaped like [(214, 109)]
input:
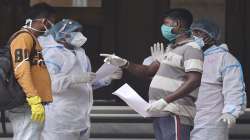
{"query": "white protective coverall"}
[(222, 90), (68, 117), (148, 60)]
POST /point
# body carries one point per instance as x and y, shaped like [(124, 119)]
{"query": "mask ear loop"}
[(45, 27), (51, 24), (28, 22), (28, 25)]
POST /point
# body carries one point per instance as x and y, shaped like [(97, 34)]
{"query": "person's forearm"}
[(143, 71), (185, 89)]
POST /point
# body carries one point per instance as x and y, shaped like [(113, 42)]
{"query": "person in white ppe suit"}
[(68, 117), (222, 98)]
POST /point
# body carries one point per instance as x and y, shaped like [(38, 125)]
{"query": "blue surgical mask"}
[(199, 41), (167, 32)]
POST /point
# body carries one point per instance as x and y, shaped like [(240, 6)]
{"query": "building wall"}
[(69, 3), (59, 3), (94, 3)]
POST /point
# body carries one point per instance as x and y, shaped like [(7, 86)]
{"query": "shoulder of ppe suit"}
[(48, 42), (194, 45), (85, 55), (21, 39), (228, 59), (56, 51), (89, 67), (82, 51), (224, 46), (53, 55)]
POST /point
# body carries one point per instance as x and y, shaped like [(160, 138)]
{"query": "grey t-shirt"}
[(177, 61)]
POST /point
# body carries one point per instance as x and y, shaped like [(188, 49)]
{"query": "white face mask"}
[(199, 41), (77, 39)]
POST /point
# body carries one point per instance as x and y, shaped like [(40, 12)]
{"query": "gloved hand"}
[(117, 74), (86, 77), (157, 51), (171, 107), (37, 109), (229, 119), (114, 60), (157, 106)]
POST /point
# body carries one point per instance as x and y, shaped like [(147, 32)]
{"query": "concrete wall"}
[(94, 3), (63, 3), (209, 9), (68, 3)]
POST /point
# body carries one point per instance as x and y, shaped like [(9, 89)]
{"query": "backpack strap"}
[(3, 122), (32, 53)]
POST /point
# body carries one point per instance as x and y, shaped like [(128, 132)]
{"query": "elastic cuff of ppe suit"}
[(231, 114), (125, 66), (232, 110), (106, 81), (33, 100)]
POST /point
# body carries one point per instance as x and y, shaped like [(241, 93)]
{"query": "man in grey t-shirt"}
[(176, 77)]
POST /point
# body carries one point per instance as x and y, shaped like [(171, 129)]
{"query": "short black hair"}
[(182, 14), (40, 10)]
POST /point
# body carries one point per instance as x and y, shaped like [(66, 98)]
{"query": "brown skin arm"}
[(143, 71), (192, 81)]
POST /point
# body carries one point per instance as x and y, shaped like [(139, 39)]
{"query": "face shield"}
[(68, 31)]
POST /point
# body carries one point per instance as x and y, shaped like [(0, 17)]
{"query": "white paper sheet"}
[(105, 70), (135, 101)]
